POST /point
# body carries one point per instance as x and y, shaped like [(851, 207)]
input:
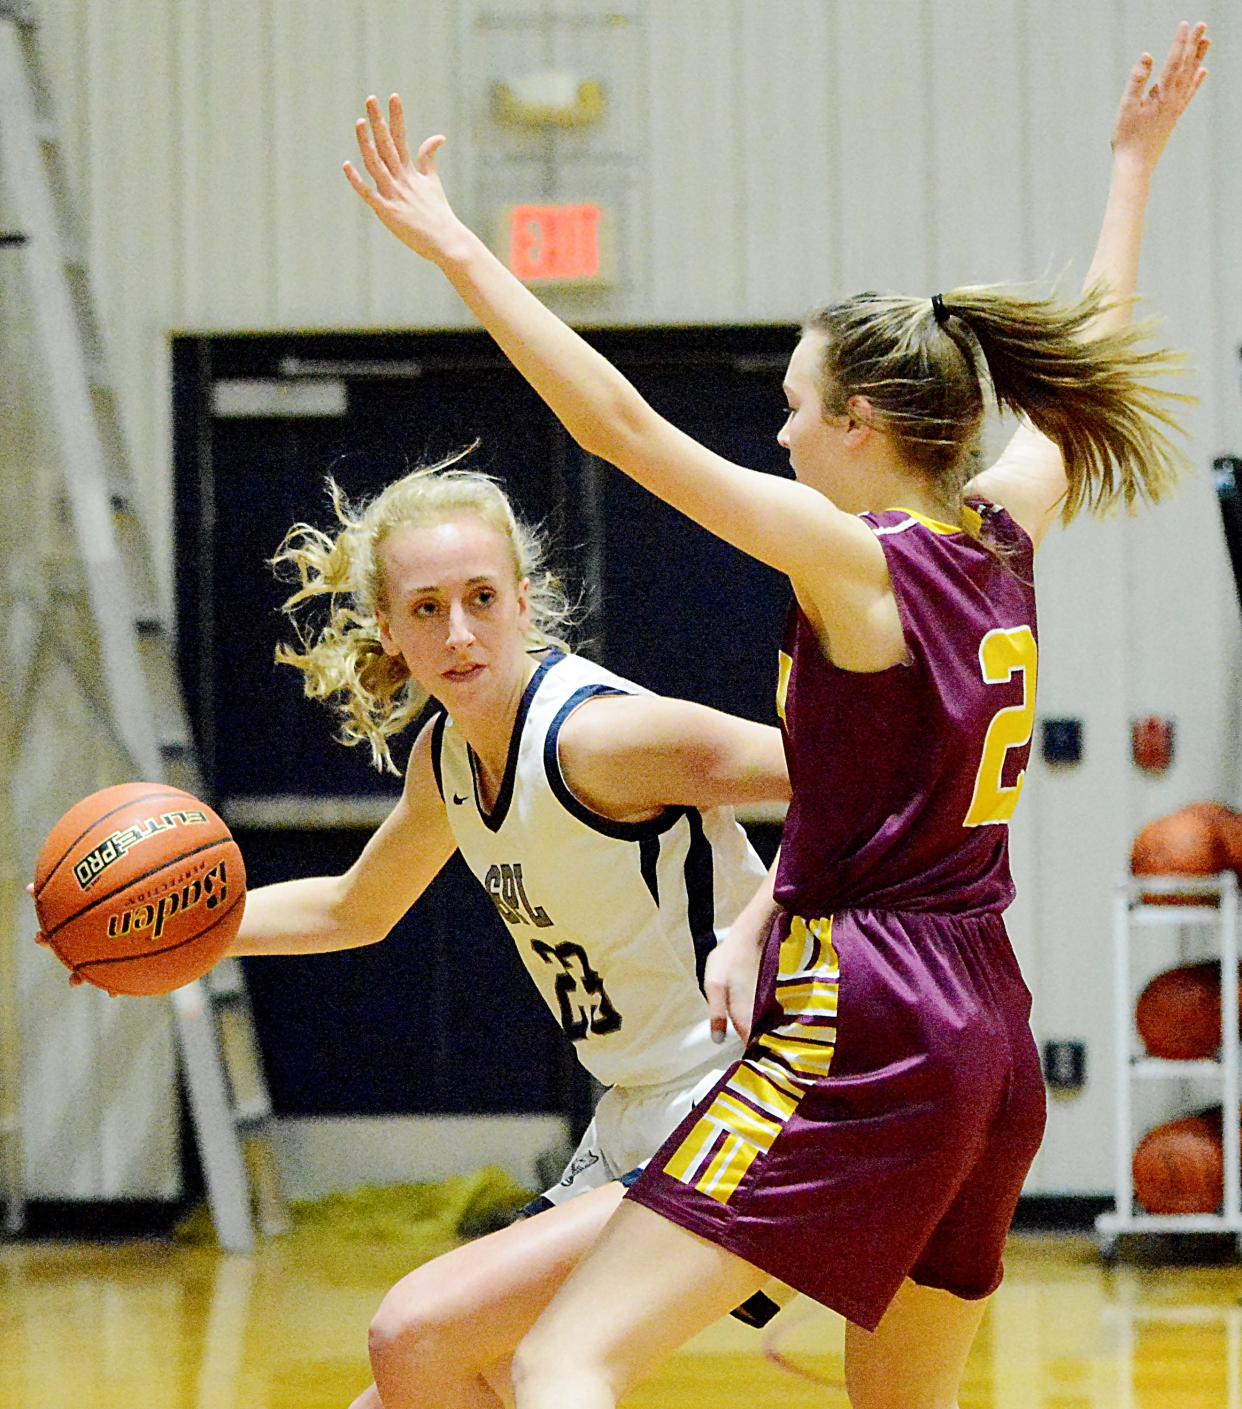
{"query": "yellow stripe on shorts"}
[(725, 1172), (778, 1075), (807, 951), (743, 1120), (805, 1058), (764, 1090), (689, 1154), (814, 999)]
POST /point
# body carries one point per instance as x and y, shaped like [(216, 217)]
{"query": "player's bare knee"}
[(534, 1360), (409, 1334), (544, 1360)]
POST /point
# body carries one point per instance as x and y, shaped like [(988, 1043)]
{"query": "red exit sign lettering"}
[(557, 244)]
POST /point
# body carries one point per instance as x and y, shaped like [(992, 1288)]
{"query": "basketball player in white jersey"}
[(596, 816)]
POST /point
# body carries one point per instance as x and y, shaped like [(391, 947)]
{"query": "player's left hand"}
[(1146, 120)]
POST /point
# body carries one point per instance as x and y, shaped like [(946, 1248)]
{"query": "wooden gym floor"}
[(157, 1326)]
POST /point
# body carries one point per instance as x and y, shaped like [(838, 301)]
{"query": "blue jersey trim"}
[(700, 893), (437, 743), (623, 831), (649, 862), (495, 819)]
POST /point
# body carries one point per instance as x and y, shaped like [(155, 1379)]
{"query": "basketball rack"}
[(131, 679), (1212, 907)]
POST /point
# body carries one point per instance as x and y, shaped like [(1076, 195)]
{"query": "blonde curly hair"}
[(340, 656)]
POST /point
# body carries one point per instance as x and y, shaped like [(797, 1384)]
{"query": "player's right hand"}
[(729, 981), (407, 195)]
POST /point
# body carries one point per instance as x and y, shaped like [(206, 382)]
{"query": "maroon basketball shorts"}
[(882, 1121)]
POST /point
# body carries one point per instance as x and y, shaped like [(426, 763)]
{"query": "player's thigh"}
[(915, 1357), (644, 1288), (481, 1298)]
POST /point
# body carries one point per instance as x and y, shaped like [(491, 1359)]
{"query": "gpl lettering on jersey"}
[(503, 884)]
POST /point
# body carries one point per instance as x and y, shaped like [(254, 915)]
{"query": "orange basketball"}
[(1228, 830), (1178, 1013), (1179, 1167), (1216, 812), (1186, 843), (139, 889)]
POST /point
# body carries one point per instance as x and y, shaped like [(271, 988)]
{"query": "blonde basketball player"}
[(595, 815)]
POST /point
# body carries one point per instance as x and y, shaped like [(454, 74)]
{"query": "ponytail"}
[(922, 366), (1096, 396)]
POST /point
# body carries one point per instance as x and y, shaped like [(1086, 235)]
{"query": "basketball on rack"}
[(1178, 1013), (1228, 830), (139, 889), (1186, 843), (1179, 1167)]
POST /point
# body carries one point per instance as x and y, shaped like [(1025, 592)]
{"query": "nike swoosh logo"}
[(458, 800)]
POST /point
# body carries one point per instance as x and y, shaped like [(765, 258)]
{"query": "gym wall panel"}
[(134, 252), (1181, 624), (98, 1110), (883, 214), (1223, 196), (695, 150), (1222, 375), (317, 82), (787, 163), (414, 50), (976, 168), (70, 75), (222, 206), (100, 1116), (1180, 605)]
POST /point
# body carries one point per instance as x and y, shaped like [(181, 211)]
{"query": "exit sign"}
[(557, 244)]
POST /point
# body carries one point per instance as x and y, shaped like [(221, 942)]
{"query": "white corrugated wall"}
[(761, 157)]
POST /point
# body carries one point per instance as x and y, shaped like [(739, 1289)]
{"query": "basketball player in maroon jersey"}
[(870, 1146)]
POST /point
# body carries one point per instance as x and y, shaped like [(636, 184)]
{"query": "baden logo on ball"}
[(139, 889)]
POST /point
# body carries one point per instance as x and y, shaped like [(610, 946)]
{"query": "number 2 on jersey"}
[(1002, 654), (585, 1006)]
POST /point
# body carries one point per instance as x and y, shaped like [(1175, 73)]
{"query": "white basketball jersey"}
[(613, 920)]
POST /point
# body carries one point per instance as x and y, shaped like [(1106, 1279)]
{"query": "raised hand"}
[(407, 195), (1146, 120)]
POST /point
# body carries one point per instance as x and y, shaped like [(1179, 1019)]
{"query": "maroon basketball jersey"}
[(904, 780)]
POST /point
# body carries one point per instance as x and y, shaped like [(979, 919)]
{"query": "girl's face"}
[(455, 615), (817, 445)]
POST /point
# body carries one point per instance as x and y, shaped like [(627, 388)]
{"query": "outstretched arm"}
[(787, 525), (630, 756), (319, 914), (1145, 122), (1029, 478)]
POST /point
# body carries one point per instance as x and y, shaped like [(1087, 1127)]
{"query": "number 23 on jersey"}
[(1004, 653)]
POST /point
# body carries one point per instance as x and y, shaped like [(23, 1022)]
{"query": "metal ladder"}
[(140, 696)]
